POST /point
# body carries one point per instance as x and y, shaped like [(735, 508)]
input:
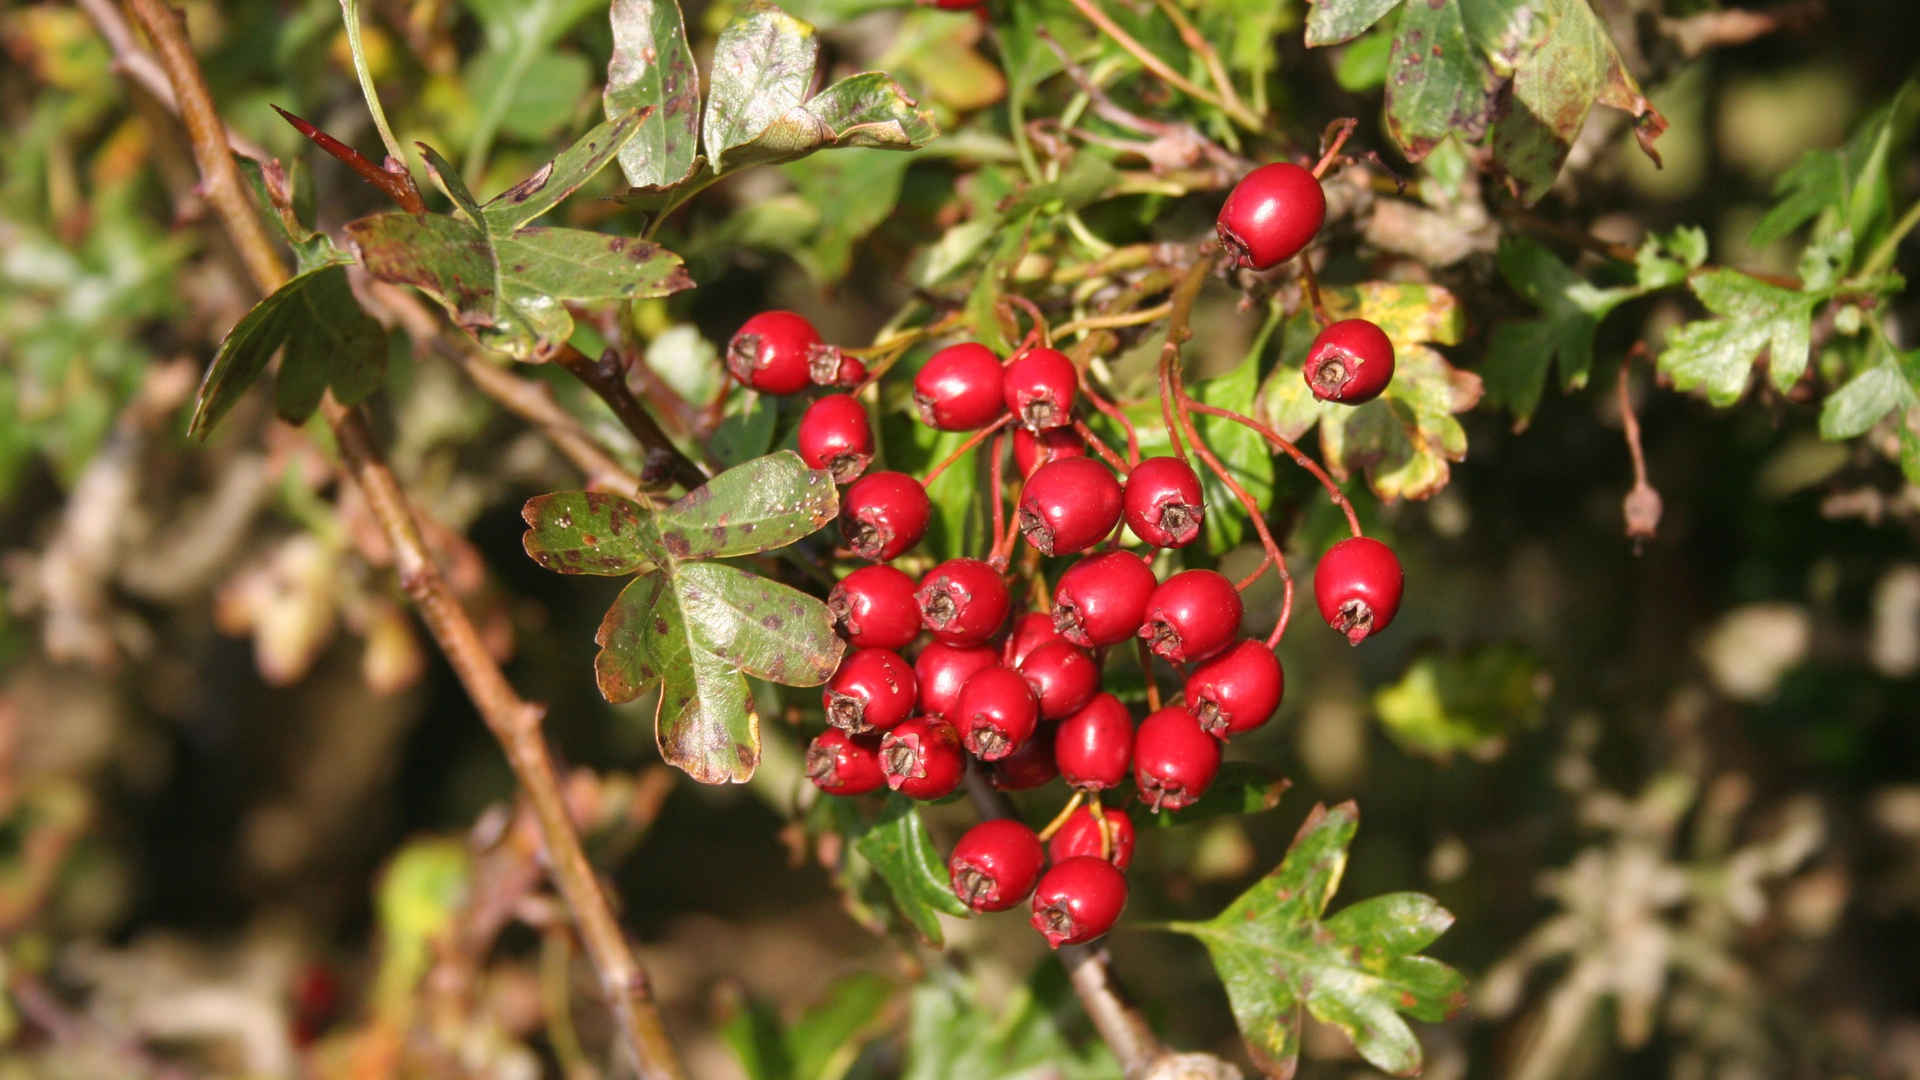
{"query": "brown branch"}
[(606, 377), (137, 65)]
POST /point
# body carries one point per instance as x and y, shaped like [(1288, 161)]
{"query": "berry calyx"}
[(1351, 362), (1030, 765), (1069, 506), (834, 435), (963, 601), (1031, 451), (873, 608), (772, 351), (842, 764), (1174, 762), (996, 712), (942, 671), (1271, 214), (959, 389), (1102, 599), (922, 758), (1094, 746), (1163, 503), (883, 514), (873, 690), (1030, 631), (1357, 587), (1236, 691), (1078, 900), (1062, 676), (1039, 385), (995, 865), (1191, 615), (1080, 835)]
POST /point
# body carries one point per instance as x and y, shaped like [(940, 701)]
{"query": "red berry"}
[(874, 689), (1191, 616), (1080, 835), (1271, 214), (1030, 765), (849, 372), (1069, 506), (1350, 362), (1078, 900), (959, 5), (995, 864), (1031, 451), (1236, 691), (883, 514), (842, 764), (1173, 760), (963, 601), (1094, 746), (922, 758), (1357, 586), (1030, 631), (996, 712), (772, 351), (874, 608), (1101, 600), (1062, 676), (1039, 385), (1164, 506), (943, 670), (959, 388), (834, 435)]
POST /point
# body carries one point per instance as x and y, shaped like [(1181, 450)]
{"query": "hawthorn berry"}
[(834, 435), (1174, 761), (959, 389), (1069, 506), (1031, 451), (1237, 690), (873, 690), (1040, 385), (1163, 503), (883, 514), (1030, 631), (996, 712), (874, 608), (773, 351), (843, 764), (1191, 616), (1357, 586), (1094, 746), (995, 865), (1062, 676), (922, 758), (1351, 362), (1272, 213), (1101, 600), (942, 670), (849, 372), (1031, 763), (963, 601), (1078, 900), (1080, 835)]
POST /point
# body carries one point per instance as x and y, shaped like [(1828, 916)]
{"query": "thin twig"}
[(1286, 445), (1641, 507), (1115, 321), (137, 64), (1159, 67), (608, 378)]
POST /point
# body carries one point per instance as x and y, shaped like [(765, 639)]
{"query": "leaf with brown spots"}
[(761, 505), (652, 67), (553, 182), (762, 627), (589, 532)]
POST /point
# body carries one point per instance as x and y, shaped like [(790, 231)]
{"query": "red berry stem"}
[(1146, 672), (1254, 575), (1335, 138), (1003, 548), (1113, 413), (996, 481), (1060, 819), (1299, 457), (1169, 356), (1311, 282), (1039, 320), (966, 444)]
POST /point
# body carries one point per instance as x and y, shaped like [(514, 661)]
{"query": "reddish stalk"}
[(997, 486), (1100, 447), (397, 183), (1335, 137), (1243, 584), (1146, 673), (1312, 282), (1033, 313), (969, 443), (1113, 413), (1299, 457), (1003, 546)]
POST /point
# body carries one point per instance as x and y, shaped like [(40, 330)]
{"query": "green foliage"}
[(821, 1044), (897, 847), (951, 1037), (1466, 701), (329, 343)]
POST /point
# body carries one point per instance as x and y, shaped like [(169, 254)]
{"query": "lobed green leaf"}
[(652, 69), (590, 532)]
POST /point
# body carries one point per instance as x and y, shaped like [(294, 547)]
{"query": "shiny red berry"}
[(1237, 690), (963, 601), (1350, 362), (834, 435), (1078, 900), (1080, 835), (1174, 762), (959, 389), (996, 712), (873, 607), (1271, 214), (1031, 451), (848, 372), (771, 352), (922, 758), (874, 689), (1030, 765), (1357, 586), (995, 865), (842, 764), (1191, 616), (1102, 599), (1040, 385), (1063, 678), (943, 670), (1094, 746), (1069, 506), (883, 514), (1163, 503), (1030, 631)]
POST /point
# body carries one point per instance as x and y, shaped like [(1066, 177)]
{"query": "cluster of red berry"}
[(1027, 703)]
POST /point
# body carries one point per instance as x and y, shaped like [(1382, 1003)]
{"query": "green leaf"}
[(1357, 970), (1244, 452), (1717, 354), (518, 57), (1438, 84), (1406, 311), (952, 1036), (276, 191), (1363, 66), (1852, 181), (1240, 788), (821, 1044), (589, 532), (766, 503), (328, 341), (1331, 22), (1866, 399), (763, 628), (652, 68), (853, 192), (1465, 701), (897, 846), (520, 204), (1571, 309)]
